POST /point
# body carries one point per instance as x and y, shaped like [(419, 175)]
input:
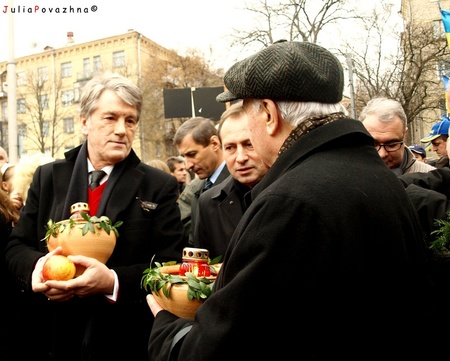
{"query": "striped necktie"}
[(207, 185)]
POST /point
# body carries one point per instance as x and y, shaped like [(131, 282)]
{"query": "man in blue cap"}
[(419, 152), (438, 137)]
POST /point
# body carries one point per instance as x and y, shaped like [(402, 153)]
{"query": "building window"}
[(438, 29), (45, 128), (443, 68), (21, 106), (4, 110), (118, 59), (43, 101), (42, 75), (97, 63), (66, 70), (67, 97), (21, 78), (87, 70), (22, 130), (68, 124)]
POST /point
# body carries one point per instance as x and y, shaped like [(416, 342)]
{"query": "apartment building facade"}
[(48, 90), (425, 13)]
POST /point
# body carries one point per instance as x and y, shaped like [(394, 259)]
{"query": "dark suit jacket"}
[(93, 326), (189, 200), (219, 211), (430, 194)]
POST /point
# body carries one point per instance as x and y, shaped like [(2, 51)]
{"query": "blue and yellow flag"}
[(445, 14)]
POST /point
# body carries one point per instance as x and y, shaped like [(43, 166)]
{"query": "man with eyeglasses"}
[(386, 121), (438, 138)]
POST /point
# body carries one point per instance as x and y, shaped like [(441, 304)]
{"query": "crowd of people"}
[(322, 223), (328, 219)]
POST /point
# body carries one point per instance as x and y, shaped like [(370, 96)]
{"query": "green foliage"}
[(92, 224), (215, 260), (441, 244), (199, 288)]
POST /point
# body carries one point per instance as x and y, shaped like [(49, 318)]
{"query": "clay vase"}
[(178, 302), (99, 245)]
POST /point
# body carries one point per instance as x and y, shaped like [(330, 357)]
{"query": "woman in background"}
[(9, 215)]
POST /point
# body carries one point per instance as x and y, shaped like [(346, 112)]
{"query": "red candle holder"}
[(195, 260)]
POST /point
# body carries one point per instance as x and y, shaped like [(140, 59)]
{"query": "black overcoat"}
[(219, 212), (93, 326), (327, 262)]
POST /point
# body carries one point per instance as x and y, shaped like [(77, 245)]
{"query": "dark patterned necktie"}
[(207, 185), (97, 176)]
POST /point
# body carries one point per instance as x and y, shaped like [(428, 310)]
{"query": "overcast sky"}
[(174, 24)]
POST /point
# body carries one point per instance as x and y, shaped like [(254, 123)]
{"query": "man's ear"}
[(84, 126), (215, 142), (272, 116)]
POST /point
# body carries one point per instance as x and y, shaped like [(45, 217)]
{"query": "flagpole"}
[(13, 150), (445, 16)]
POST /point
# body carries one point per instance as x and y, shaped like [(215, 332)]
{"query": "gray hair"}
[(296, 113), (173, 160), (124, 88), (385, 109)]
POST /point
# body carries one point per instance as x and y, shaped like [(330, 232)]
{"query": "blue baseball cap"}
[(440, 128), (419, 150)]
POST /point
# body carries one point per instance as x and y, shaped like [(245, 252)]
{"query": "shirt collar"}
[(108, 169), (213, 177)]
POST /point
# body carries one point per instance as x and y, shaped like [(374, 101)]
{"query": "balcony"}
[(84, 77)]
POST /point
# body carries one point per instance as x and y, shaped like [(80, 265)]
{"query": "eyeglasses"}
[(390, 147)]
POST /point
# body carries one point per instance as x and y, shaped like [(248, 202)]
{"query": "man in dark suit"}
[(101, 314), (198, 142), (220, 208)]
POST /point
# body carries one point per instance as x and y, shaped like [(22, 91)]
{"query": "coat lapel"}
[(123, 180), (119, 190)]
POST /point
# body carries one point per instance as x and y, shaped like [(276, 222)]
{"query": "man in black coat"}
[(221, 207), (328, 259), (101, 314)]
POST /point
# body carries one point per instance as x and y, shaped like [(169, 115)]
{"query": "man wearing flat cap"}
[(318, 266)]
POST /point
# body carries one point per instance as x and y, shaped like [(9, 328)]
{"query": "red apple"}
[(58, 267)]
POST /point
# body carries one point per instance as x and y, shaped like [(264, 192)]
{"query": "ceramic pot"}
[(99, 245), (178, 302)]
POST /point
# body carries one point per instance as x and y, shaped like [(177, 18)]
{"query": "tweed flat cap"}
[(289, 71)]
